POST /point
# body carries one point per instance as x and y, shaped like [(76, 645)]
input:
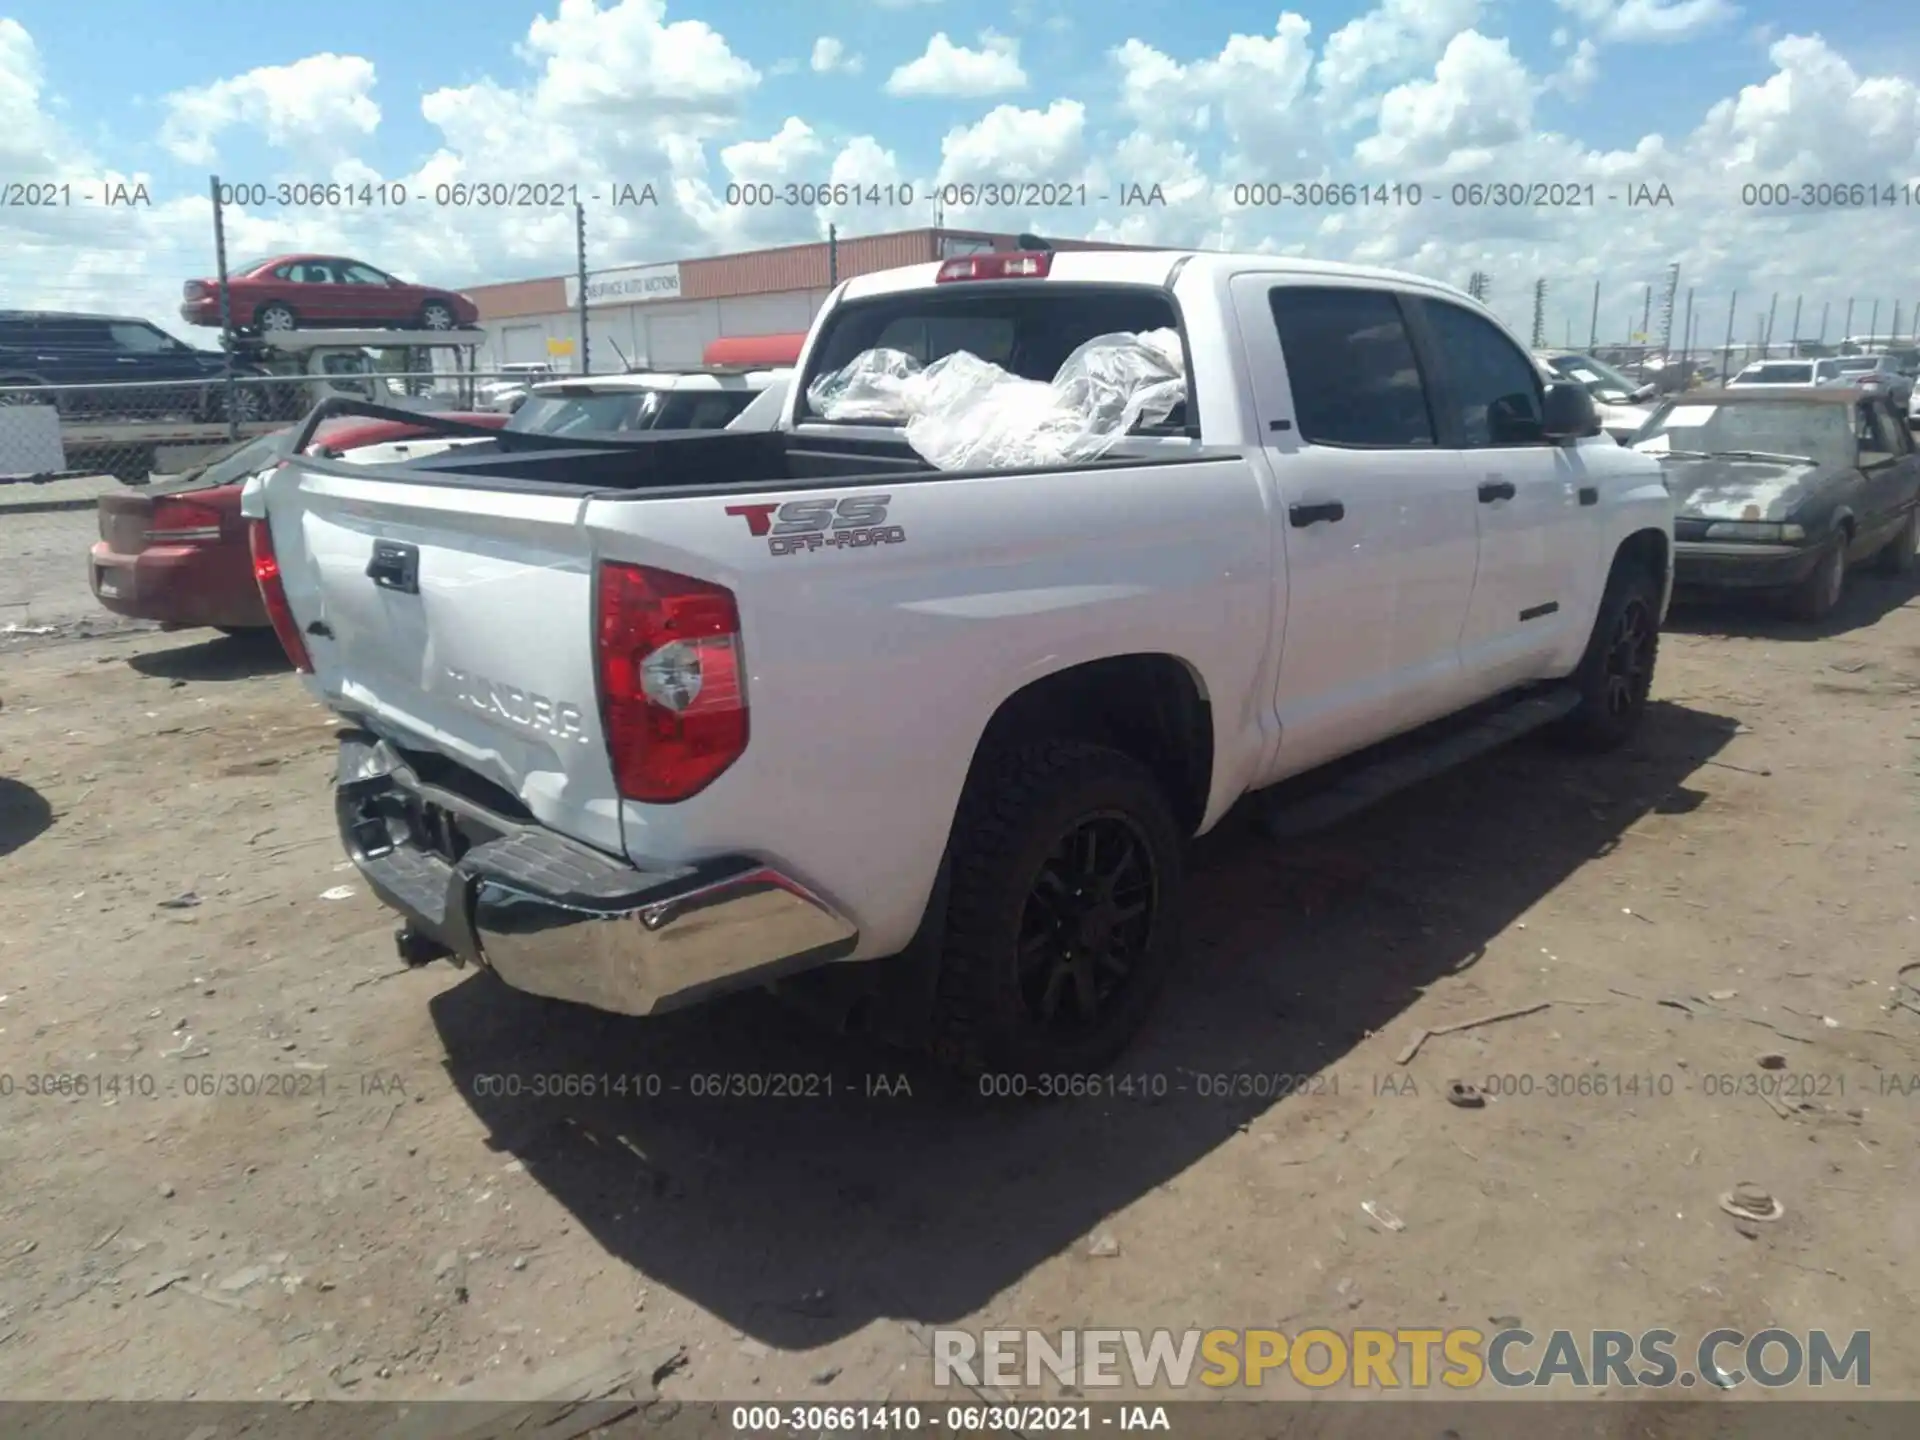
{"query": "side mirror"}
[(1644, 393), (1568, 413)]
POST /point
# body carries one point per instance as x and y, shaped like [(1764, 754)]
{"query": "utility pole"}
[(1686, 335), (226, 307), (1796, 324), (580, 265), (1593, 326), (1766, 336), (1846, 325), (1726, 356), (1646, 316), (1825, 307), (1539, 313), (1873, 325), (833, 256)]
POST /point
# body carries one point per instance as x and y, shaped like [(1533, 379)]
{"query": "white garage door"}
[(522, 344)]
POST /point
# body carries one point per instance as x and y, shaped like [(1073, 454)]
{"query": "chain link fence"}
[(135, 431)]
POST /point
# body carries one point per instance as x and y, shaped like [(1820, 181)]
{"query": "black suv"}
[(151, 375)]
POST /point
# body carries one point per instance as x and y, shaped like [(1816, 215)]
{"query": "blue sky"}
[(1703, 96), (111, 65)]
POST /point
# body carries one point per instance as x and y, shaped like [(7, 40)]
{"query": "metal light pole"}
[(1846, 325), (1766, 335), (1873, 324), (580, 265), (1825, 306), (1796, 324), (1686, 336), (833, 256), (1593, 328)]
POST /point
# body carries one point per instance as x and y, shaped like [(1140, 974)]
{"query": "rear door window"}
[(1351, 366)]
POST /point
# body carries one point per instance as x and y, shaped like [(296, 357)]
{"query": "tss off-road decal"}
[(804, 526)]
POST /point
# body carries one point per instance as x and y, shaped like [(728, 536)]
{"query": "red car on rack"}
[(175, 551), (309, 292)]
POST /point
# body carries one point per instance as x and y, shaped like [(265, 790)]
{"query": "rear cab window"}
[(1027, 327)]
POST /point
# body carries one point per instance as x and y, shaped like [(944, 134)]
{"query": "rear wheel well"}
[(1148, 706)]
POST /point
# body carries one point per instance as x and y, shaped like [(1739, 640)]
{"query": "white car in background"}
[(1624, 403), (1781, 374), (514, 380), (647, 400)]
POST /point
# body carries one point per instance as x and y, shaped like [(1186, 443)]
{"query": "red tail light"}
[(672, 689), (1005, 265), (266, 570), (183, 522)]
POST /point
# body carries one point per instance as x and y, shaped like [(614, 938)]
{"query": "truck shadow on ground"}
[(25, 815), (1869, 598), (799, 1220), (214, 656)]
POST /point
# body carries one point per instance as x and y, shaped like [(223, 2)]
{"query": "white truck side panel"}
[(872, 673)]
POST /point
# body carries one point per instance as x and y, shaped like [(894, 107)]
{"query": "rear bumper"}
[(556, 918), (1700, 565), (179, 585)]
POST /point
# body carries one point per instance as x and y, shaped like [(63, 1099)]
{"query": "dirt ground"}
[(291, 1176)]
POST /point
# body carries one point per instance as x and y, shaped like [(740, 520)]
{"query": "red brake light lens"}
[(1004, 265), (672, 689), (266, 571), (183, 522)]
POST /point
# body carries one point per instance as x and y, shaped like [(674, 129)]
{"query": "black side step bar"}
[(1371, 783)]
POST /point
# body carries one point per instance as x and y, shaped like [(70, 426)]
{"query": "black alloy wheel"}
[(1628, 668), (1088, 919)]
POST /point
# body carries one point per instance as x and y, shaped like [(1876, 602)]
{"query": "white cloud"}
[(1384, 43), (830, 55), (320, 108), (1641, 22), (1480, 98), (1009, 143), (1576, 77), (950, 70)]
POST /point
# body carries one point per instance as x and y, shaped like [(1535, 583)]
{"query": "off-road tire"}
[(1815, 597), (1607, 716), (1902, 554), (1017, 807)]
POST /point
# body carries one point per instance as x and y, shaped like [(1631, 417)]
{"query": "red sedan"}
[(176, 551), (307, 292)]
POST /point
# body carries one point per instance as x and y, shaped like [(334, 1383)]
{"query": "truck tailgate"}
[(457, 621)]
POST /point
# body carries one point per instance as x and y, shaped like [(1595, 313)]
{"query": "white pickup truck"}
[(635, 723)]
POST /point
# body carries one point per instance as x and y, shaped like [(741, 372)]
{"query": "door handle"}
[(1301, 516), (1493, 490), (395, 566), (1589, 495)]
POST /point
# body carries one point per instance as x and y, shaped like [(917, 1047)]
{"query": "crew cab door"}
[(1376, 520), (1537, 506)]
